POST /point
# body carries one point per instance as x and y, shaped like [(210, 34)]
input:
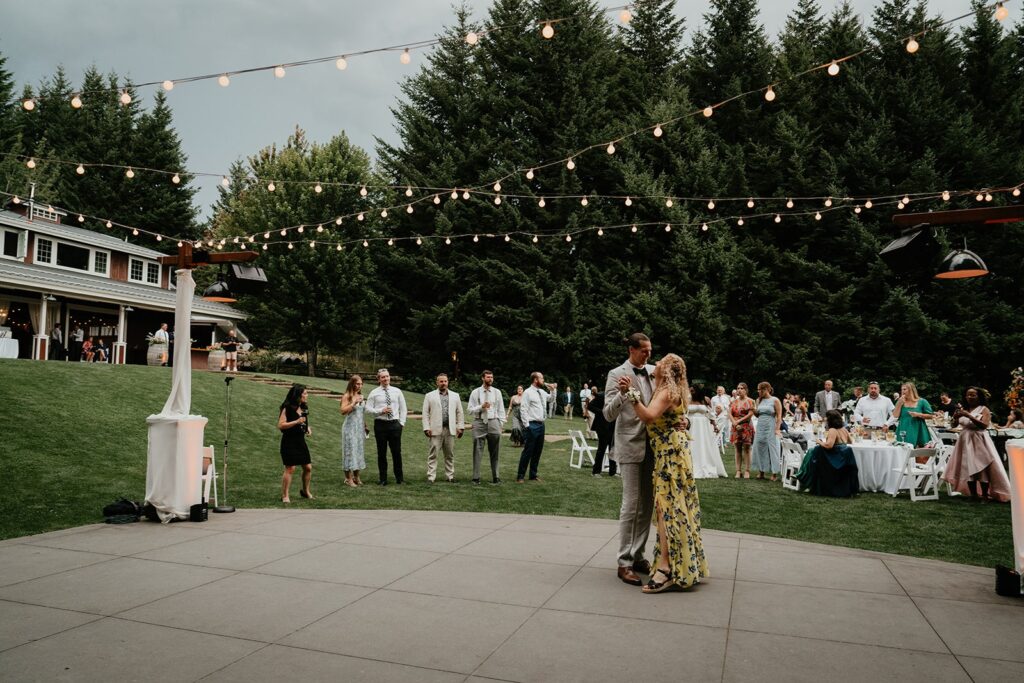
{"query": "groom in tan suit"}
[(634, 455), (442, 423)]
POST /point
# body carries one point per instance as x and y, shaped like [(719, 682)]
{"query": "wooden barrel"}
[(216, 360), (154, 353)]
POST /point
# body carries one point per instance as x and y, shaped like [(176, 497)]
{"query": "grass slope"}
[(74, 439)]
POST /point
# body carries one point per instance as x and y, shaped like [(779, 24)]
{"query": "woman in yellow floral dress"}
[(679, 560)]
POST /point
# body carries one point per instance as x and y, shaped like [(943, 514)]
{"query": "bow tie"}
[(640, 371)]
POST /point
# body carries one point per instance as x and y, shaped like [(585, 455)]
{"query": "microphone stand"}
[(227, 432)]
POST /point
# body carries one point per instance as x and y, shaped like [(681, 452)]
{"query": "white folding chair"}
[(919, 478), (792, 458), (942, 454), (580, 449), (209, 477)]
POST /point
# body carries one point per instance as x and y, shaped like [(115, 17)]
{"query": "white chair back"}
[(209, 475)]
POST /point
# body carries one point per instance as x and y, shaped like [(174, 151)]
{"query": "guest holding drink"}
[(975, 463), (353, 431), (740, 414), (294, 425), (767, 449), (910, 414)]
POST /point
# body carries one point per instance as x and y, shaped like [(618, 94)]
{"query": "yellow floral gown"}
[(675, 495)]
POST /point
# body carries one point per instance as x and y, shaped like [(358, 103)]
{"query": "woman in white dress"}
[(707, 462)]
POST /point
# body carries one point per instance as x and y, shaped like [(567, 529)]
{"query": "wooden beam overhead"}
[(984, 215)]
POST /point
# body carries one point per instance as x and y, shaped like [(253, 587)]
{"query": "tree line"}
[(792, 302)]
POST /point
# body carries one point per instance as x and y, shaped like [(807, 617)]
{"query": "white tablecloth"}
[(877, 464), (1015, 457), (8, 348)]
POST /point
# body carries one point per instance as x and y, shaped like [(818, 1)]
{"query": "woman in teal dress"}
[(679, 560), (910, 412)]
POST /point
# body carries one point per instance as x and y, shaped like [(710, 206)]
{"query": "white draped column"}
[(41, 340), (120, 346)]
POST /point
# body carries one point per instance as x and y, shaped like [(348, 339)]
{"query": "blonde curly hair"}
[(673, 379)]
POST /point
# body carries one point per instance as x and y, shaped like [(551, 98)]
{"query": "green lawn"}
[(74, 439)]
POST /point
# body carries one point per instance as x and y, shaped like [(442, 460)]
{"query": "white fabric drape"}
[(33, 315), (179, 403), (1015, 460), (52, 315)]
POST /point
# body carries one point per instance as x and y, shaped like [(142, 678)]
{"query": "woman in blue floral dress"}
[(353, 431), (679, 560)]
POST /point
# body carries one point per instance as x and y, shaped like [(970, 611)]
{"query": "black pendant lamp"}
[(961, 264), (219, 291)]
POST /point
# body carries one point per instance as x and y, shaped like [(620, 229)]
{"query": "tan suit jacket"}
[(630, 431), (434, 421)]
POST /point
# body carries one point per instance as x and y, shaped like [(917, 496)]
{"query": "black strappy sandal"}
[(661, 586)]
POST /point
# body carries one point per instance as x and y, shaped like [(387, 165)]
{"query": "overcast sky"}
[(150, 40)]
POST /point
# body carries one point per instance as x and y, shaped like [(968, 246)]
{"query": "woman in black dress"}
[(294, 426)]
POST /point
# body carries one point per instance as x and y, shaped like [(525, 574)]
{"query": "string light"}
[(828, 201), (17, 199), (265, 247), (945, 195), (472, 38), (437, 199), (548, 31), (135, 232), (365, 243), (28, 103), (778, 218), (568, 238), (283, 232), (31, 163), (739, 221), (271, 187), (408, 191), (129, 173), (711, 205), (223, 81), (455, 194), (319, 228), (497, 187), (176, 179), (668, 227), (109, 225), (168, 85), (570, 164), (159, 238), (988, 197), (833, 68), (669, 203), (789, 203), (318, 188), (338, 248), (633, 229), (708, 111), (312, 244), (625, 16), (76, 102), (405, 58), (341, 63), (1016, 192), (868, 204), (750, 203), (900, 205), (529, 174), (769, 94), (658, 132), (180, 244), (363, 191), (817, 215), (611, 148), (535, 240), (383, 213), (465, 194), (906, 199), (266, 235), (476, 238), (628, 202), (704, 227), (80, 169), (1001, 12), (291, 246), (81, 218), (224, 181), (542, 203), (126, 98), (600, 232), (508, 238), (279, 72), (448, 240), (912, 45), (361, 216)]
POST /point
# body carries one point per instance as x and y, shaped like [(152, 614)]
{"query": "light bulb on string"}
[(341, 63), (176, 179), (497, 201), (361, 216), (868, 204), (279, 72), (291, 246), (319, 228), (266, 235), (789, 203), (508, 238), (252, 238), (584, 201), (711, 205), (1016, 192), (739, 222), (31, 163), (778, 218), (658, 132), (769, 94), (669, 203), (129, 173), (383, 213), (979, 197), (135, 232), (223, 80), (455, 194), (409, 209), (1001, 12), (817, 215), (750, 203), (828, 201), (541, 203), (600, 232), (126, 98), (628, 202), (81, 218), (283, 232), (437, 199), (265, 247), (159, 238), (312, 244), (568, 238), (76, 102), (318, 188), (465, 194), (28, 103), (610, 148), (668, 227), (109, 224), (80, 169), (476, 238), (405, 58), (497, 187), (988, 197), (365, 243), (180, 245), (633, 229), (337, 248), (168, 85), (224, 181), (271, 187), (16, 200), (535, 240), (570, 164), (447, 240), (625, 16), (708, 111), (906, 199), (912, 45), (529, 174), (833, 68), (220, 247), (548, 31), (945, 195), (704, 227), (408, 191), (900, 205), (472, 38)]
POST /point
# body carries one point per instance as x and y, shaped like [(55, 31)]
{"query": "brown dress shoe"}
[(643, 566), (627, 575)]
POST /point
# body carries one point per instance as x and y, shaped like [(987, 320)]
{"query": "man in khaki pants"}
[(442, 423)]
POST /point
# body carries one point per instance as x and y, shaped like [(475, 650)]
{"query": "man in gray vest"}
[(487, 407), (634, 454)]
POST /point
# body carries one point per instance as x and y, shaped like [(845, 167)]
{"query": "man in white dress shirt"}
[(387, 405), (533, 410), (720, 404), (442, 423), (585, 395), (826, 400), (874, 410), (487, 407)]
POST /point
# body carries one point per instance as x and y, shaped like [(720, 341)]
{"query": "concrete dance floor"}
[(315, 595)]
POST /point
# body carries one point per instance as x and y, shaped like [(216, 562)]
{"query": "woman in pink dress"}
[(974, 460)]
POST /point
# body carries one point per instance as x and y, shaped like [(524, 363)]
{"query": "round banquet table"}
[(8, 347), (878, 465)]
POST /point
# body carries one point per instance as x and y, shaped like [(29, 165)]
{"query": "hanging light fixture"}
[(961, 264), (219, 291)]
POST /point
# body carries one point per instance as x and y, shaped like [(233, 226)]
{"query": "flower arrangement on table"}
[(1015, 394)]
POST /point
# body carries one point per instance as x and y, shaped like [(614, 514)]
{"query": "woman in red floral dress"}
[(740, 412)]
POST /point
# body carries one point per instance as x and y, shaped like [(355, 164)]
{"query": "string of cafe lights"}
[(435, 193), (320, 234), (546, 28)]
